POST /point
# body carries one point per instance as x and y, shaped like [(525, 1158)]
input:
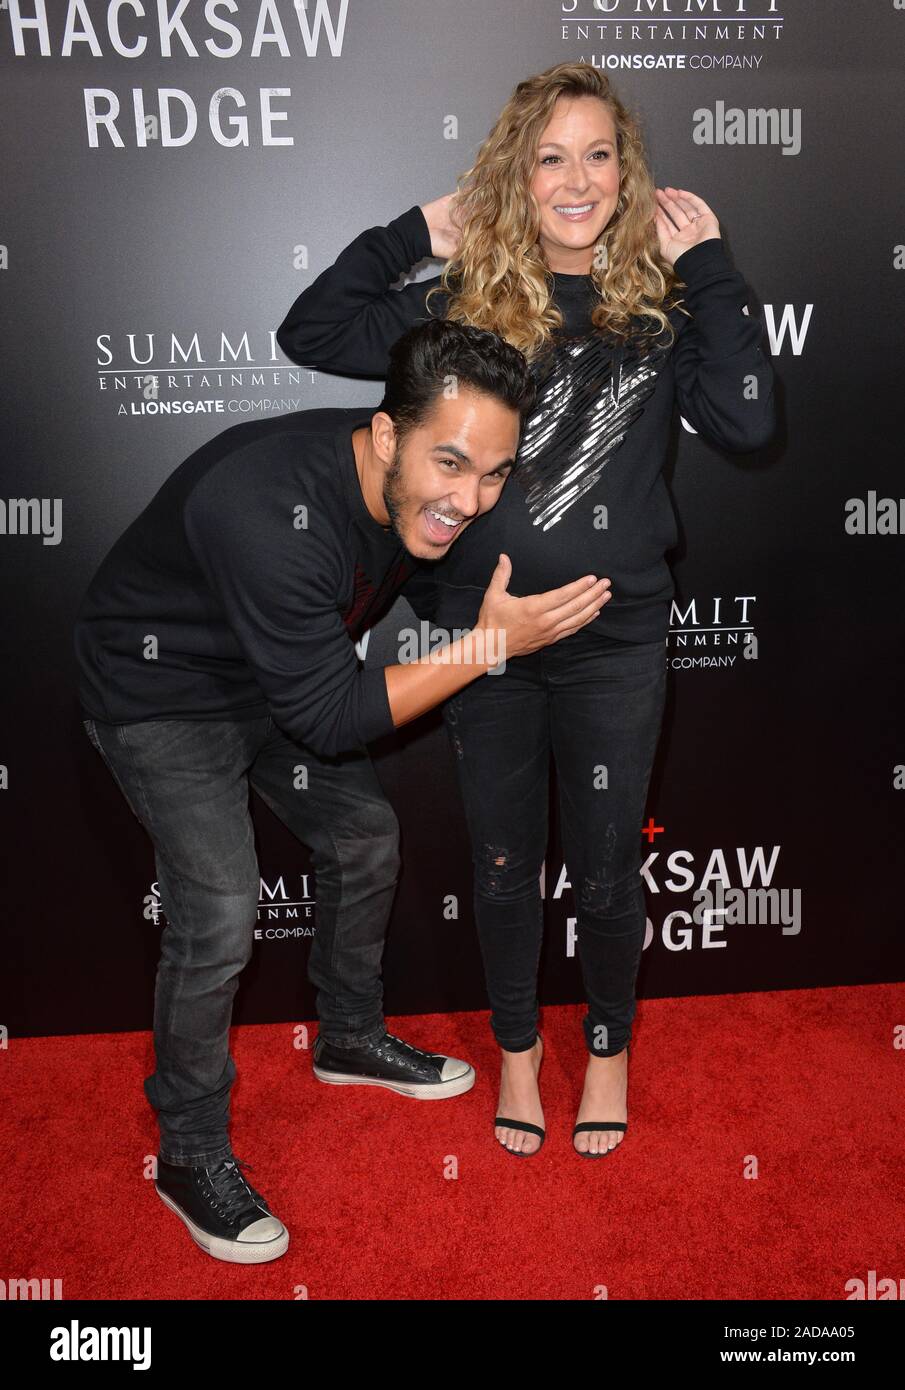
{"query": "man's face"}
[(453, 466)]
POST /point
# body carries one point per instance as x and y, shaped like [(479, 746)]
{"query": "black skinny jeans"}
[(597, 703)]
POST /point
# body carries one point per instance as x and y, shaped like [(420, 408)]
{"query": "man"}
[(216, 649)]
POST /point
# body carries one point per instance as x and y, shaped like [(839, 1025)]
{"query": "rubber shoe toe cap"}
[(259, 1232)]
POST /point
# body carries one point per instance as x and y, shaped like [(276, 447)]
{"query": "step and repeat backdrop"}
[(175, 172)]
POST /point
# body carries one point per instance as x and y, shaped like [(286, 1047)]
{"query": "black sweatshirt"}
[(226, 598), (587, 495)]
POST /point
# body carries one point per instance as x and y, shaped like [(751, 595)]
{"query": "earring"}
[(601, 256)]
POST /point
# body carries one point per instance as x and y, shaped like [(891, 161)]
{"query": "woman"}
[(558, 241)]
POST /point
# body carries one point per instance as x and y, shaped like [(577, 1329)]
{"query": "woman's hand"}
[(445, 231), (682, 220)]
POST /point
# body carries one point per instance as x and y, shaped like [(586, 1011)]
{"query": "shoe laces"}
[(416, 1052), (232, 1195)]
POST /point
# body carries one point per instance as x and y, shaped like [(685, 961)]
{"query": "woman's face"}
[(576, 182)]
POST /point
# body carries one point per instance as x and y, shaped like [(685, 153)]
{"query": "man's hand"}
[(523, 624), (539, 619)]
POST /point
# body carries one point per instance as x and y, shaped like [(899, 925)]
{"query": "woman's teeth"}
[(576, 211)]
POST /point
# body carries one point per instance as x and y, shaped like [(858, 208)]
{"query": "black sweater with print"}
[(587, 495), (242, 586)]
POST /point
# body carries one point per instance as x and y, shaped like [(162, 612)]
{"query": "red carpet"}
[(808, 1082)]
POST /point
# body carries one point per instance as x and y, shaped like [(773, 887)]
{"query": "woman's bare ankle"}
[(523, 1056)]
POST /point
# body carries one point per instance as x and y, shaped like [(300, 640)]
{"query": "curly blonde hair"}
[(499, 279)]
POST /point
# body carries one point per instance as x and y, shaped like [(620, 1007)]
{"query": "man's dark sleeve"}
[(347, 320), (279, 587), (724, 379), (422, 592)]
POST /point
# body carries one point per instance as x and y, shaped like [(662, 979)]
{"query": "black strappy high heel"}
[(587, 1126), (523, 1125)]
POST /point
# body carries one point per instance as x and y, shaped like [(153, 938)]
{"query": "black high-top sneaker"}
[(394, 1064), (223, 1212)]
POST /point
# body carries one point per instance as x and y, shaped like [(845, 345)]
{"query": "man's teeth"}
[(585, 208), (448, 521)]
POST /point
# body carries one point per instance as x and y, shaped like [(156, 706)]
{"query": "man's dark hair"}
[(428, 355)]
